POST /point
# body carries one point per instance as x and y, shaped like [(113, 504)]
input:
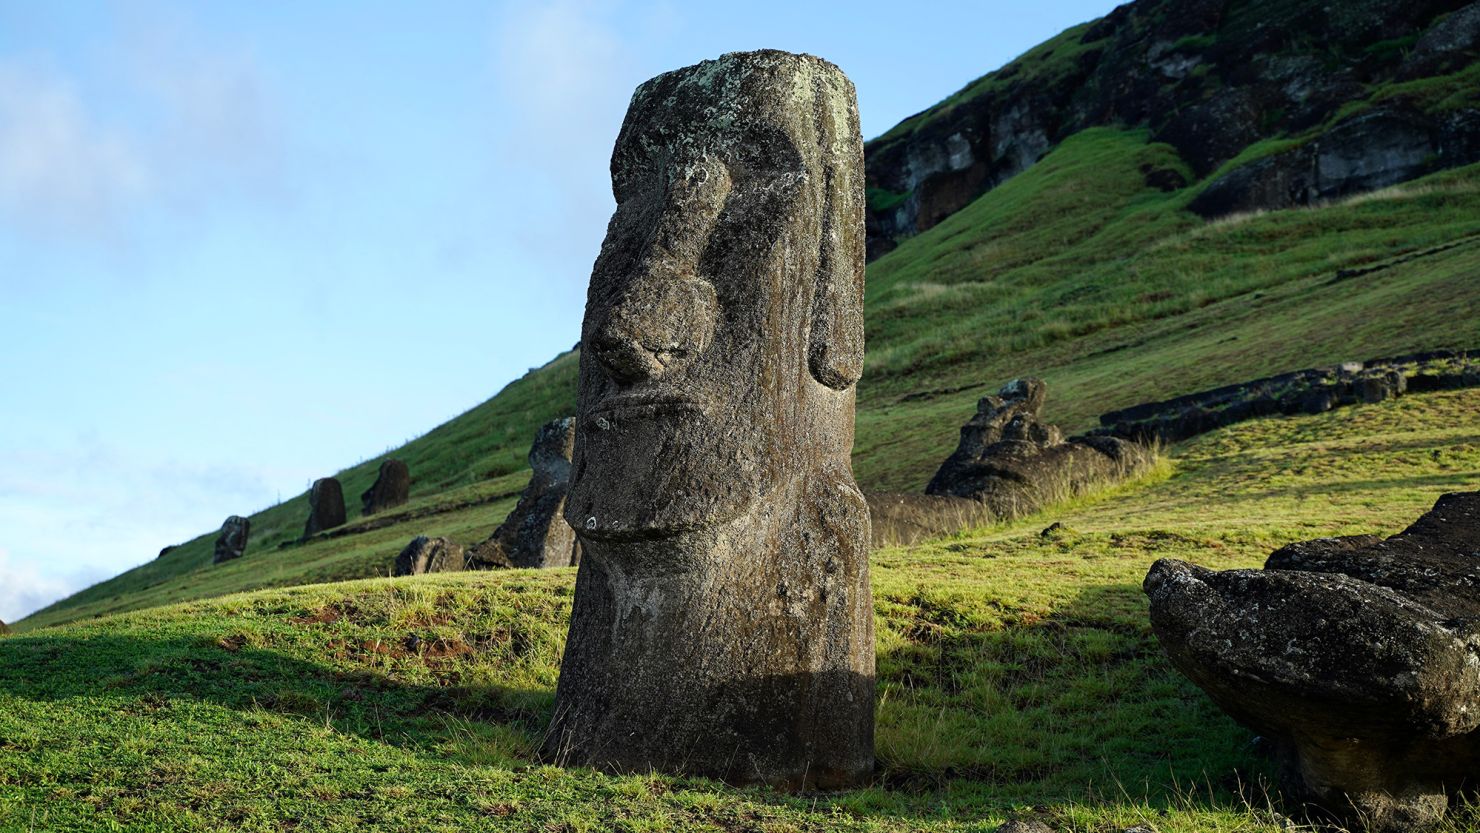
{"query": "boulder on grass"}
[(392, 488), (232, 542), (1356, 657), (430, 555)]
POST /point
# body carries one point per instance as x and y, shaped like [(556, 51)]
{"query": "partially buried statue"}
[(722, 623)]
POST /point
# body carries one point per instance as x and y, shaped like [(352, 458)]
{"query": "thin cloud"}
[(59, 167)]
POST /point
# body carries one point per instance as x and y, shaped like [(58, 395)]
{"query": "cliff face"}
[(1272, 103)]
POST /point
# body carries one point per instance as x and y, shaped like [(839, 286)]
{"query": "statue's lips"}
[(641, 404)]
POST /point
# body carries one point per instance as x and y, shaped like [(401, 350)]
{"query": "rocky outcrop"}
[(232, 542), (1372, 150), (392, 487), (1355, 657), (429, 555), (722, 622), (1211, 78), (1310, 391), (1014, 464), (325, 507), (535, 534)]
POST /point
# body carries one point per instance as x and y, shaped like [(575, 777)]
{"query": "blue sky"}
[(243, 245)]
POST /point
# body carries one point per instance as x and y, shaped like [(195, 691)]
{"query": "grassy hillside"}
[(1076, 271), (1017, 675)]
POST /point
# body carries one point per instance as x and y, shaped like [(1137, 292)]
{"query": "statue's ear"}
[(835, 354)]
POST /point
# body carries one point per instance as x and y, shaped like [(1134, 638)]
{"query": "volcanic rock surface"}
[(1359, 658), (392, 487)]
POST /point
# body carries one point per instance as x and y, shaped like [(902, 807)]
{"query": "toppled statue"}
[(1356, 657), (325, 507), (1015, 464), (392, 487), (722, 621), (535, 534), (232, 542)]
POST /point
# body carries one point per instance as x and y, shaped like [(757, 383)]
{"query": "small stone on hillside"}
[(391, 488), (232, 542), (430, 555), (167, 550)]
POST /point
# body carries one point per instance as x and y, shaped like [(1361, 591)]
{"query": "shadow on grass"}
[(1075, 707)]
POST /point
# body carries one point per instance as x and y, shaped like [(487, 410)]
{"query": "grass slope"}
[(1017, 675), (1075, 271)]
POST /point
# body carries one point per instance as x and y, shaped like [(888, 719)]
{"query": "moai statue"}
[(535, 534), (325, 507), (392, 487), (722, 620), (232, 542)]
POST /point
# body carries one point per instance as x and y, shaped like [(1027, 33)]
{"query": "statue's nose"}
[(665, 319)]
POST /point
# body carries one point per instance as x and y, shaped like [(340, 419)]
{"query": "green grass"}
[(1017, 675)]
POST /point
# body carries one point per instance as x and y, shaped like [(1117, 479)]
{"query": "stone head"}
[(724, 322)]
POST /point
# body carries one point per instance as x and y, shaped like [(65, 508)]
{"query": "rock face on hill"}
[(1014, 464), (392, 488), (1211, 78), (325, 506), (535, 534), (1311, 391), (232, 542), (1356, 656), (722, 622), (429, 555)]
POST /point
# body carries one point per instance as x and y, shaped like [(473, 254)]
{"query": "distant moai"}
[(392, 487), (535, 534), (722, 621), (325, 506), (232, 542)]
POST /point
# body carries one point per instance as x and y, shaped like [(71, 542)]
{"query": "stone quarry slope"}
[(1271, 103), (1081, 270)]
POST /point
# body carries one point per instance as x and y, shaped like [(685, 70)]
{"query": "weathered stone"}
[(1023, 826), (392, 487), (232, 542), (487, 555), (722, 622), (325, 507), (429, 555), (167, 550), (535, 534), (1355, 657), (1014, 464)]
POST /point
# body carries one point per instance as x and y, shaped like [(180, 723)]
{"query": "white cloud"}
[(567, 75), (168, 123), (58, 165), (75, 516)]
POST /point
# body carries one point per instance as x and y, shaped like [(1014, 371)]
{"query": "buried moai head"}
[(724, 323)]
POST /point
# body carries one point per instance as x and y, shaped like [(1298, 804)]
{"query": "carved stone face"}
[(720, 343)]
